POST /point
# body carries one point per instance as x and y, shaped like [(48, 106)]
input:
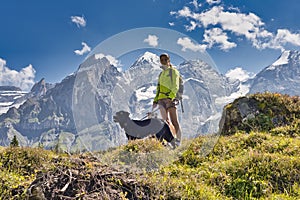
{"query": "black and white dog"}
[(138, 129)]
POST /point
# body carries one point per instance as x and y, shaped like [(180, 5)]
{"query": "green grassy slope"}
[(258, 165), (241, 166)]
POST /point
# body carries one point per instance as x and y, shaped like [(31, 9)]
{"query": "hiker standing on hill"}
[(167, 88)]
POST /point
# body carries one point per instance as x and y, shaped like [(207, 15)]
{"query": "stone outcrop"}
[(259, 112)]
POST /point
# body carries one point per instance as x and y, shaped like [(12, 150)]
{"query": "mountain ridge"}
[(48, 116), (282, 77)]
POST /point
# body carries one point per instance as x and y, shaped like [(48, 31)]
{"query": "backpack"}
[(180, 89)]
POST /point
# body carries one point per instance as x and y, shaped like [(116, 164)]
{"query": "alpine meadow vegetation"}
[(261, 163)]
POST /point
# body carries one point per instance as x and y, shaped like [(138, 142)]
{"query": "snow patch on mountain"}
[(150, 57), (214, 117), (243, 89), (194, 79), (238, 77), (9, 99), (282, 76), (6, 103), (145, 93), (284, 58)]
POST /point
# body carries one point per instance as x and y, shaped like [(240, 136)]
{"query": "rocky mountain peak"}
[(147, 58), (282, 76), (195, 68), (50, 118), (39, 88), (283, 59), (287, 57), (93, 60)]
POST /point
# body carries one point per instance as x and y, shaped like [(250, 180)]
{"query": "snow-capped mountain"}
[(47, 115), (10, 96), (202, 83), (283, 76), (210, 77), (49, 118), (61, 113), (146, 59), (144, 70)]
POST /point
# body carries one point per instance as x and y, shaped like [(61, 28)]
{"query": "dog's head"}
[(121, 117)]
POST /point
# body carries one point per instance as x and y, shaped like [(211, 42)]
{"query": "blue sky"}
[(38, 39)]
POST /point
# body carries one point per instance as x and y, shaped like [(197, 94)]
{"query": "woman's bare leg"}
[(174, 120)]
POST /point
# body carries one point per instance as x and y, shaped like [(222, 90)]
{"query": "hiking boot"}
[(177, 142), (174, 143)]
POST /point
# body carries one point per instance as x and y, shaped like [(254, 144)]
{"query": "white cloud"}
[(152, 40), (282, 37), (192, 26), (173, 13), (231, 8), (23, 79), (187, 43), (79, 21), (210, 2), (171, 23), (247, 25), (243, 88), (238, 74), (285, 36), (113, 61), (185, 12), (242, 25), (195, 4), (2, 62), (217, 36), (85, 49)]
